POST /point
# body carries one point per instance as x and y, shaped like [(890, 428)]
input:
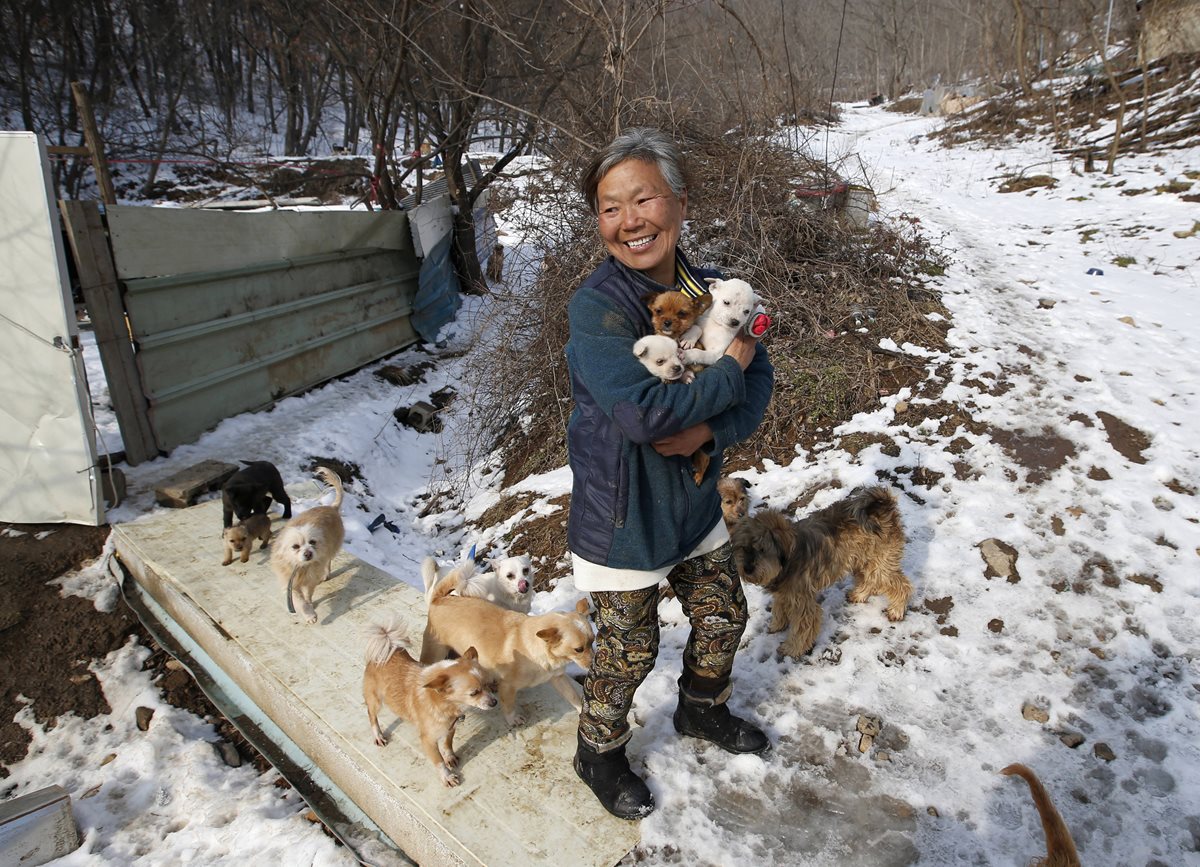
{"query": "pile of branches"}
[(834, 291), (1153, 106)]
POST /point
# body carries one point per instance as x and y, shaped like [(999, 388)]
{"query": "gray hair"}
[(643, 143)]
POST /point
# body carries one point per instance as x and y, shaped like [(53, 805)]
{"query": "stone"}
[(1103, 751), (1071, 739), (142, 716), (1000, 560), (864, 743), (869, 725), (1032, 712), (228, 753)]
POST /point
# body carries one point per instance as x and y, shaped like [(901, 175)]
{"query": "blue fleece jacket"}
[(632, 508)]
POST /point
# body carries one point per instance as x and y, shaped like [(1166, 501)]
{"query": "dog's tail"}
[(453, 580), (334, 481), (869, 505), (1060, 848), (429, 573), (383, 640)]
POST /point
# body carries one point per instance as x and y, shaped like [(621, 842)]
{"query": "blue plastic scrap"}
[(1095, 271)]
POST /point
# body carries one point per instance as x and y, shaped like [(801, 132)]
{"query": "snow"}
[(1038, 348)]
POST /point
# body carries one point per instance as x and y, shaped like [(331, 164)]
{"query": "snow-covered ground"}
[(1095, 625)]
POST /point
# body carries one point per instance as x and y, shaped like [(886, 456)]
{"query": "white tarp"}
[(47, 446)]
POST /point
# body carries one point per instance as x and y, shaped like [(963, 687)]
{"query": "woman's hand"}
[(686, 442), (741, 350)]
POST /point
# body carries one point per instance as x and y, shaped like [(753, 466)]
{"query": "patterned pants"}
[(710, 591)]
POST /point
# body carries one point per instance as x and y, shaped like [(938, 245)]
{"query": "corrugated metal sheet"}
[(218, 341)]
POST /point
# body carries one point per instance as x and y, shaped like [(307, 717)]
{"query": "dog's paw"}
[(450, 776), (515, 719), (895, 614), (858, 595), (227, 561), (451, 761), (381, 740)]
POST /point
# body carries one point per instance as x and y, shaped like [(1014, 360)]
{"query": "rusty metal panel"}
[(216, 342)]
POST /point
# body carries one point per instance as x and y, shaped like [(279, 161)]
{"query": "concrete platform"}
[(520, 802)]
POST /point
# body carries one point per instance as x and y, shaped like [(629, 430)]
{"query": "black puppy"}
[(249, 492)]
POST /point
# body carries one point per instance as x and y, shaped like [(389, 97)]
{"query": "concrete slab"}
[(520, 802)]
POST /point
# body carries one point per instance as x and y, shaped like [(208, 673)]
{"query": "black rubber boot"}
[(701, 713), (615, 786)]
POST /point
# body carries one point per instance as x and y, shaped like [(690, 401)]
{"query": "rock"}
[(174, 664), (864, 743), (229, 753), (883, 756), (1046, 303), (107, 759), (933, 811), (1071, 739), (996, 625), (901, 406), (869, 725), (1032, 712), (1103, 751), (1000, 560), (143, 715)]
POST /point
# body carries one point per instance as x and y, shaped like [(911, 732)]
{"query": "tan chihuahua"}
[(520, 650), (433, 698)]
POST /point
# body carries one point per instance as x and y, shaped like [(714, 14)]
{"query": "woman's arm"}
[(600, 355)]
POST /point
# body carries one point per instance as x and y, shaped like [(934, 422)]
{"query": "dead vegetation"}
[(1158, 107), (834, 291)]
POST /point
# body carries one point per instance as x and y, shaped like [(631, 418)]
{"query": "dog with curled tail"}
[(302, 554)]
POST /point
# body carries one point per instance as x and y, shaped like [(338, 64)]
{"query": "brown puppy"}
[(433, 698), (735, 499), (240, 537), (674, 314), (1060, 848), (303, 552), (520, 650), (795, 561)]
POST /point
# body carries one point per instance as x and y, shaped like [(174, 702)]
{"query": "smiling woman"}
[(637, 514)]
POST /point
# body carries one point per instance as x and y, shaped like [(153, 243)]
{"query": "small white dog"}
[(302, 554), (733, 303), (661, 356), (509, 583)]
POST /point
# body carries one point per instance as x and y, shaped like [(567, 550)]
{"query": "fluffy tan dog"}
[(240, 537), (519, 650), (303, 552), (1060, 848), (735, 499), (433, 697), (795, 561)]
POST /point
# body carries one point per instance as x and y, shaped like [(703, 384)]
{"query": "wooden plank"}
[(95, 144), (102, 295), (68, 150), (181, 489), (151, 242)]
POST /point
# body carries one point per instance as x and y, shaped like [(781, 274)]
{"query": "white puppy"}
[(733, 303), (509, 583), (302, 554), (660, 355)]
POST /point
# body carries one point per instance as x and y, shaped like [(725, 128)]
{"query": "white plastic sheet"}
[(47, 445)]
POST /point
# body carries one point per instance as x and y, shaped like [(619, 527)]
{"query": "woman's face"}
[(640, 218)]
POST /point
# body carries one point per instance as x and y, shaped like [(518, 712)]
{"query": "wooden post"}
[(91, 135), (102, 294)]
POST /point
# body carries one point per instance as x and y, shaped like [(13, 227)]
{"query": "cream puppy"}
[(661, 356), (733, 303), (302, 554), (520, 650), (508, 584)]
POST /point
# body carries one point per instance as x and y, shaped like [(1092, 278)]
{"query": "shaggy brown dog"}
[(674, 314), (1060, 848), (795, 561)]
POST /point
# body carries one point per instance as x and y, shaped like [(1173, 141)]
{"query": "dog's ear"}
[(581, 607), (440, 683), (703, 303), (641, 350), (471, 654), (784, 538), (712, 280), (745, 485), (494, 563), (550, 635)]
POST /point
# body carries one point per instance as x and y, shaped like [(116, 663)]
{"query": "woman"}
[(637, 515)]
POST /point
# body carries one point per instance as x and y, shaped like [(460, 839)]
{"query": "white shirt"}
[(592, 576)]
